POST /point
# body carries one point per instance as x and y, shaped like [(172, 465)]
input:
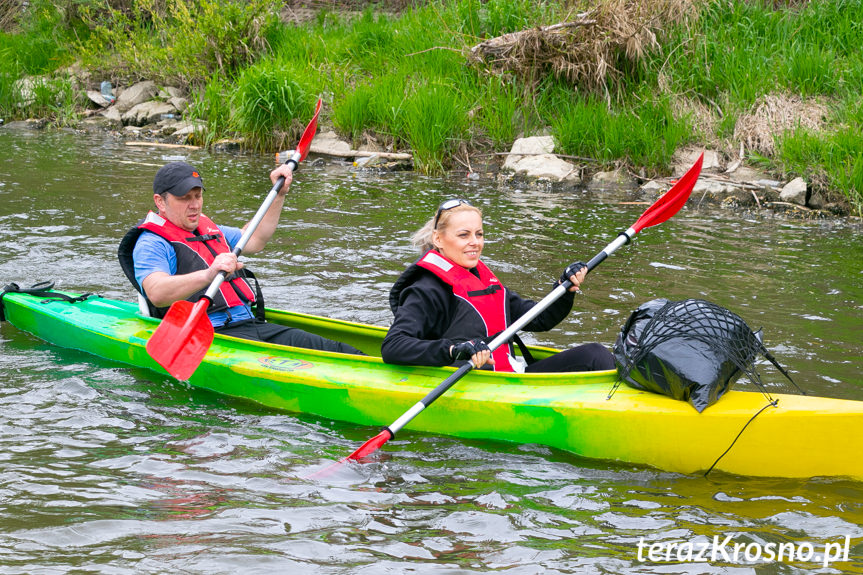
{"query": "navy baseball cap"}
[(176, 178)]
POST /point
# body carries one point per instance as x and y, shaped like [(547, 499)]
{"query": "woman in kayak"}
[(448, 304)]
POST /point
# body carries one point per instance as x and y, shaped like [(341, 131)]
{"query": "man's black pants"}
[(274, 333)]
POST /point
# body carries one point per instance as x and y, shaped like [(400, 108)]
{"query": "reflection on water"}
[(105, 468)]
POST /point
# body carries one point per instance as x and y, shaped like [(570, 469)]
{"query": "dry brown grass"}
[(773, 114), (10, 10), (590, 48), (704, 118)]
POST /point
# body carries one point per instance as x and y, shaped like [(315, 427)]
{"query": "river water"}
[(110, 469)]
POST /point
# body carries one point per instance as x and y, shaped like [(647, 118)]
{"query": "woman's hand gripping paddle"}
[(185, 334), (664, 208)]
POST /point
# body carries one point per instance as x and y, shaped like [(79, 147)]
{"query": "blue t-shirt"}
[(153, 253)]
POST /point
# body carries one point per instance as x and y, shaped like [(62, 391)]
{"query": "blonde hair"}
[(422, 239)]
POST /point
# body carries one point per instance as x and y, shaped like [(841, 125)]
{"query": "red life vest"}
[(196, 251), (482, 296)]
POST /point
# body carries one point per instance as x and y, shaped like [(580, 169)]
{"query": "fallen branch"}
[(322, 151), (787, 204), (520, 154), (435, 48), (726, 180), (502, 45), (754, 195), (162, 145)]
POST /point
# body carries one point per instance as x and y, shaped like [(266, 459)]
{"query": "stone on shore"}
[(26, 88), (683, 160), (97, 98), (113, 117), (532, 157), (179, 103), (716, 188), (794, 192), (547, 167), (614, 179), (136, 94), (168, 92), (147, 113), (746, 174), (816, 201), (532, 146), (329, 143), (185, 129)]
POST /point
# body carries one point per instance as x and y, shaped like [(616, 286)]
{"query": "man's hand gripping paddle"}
[(185, 334)]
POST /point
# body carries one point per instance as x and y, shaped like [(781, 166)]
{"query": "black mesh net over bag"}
[(691, 350)]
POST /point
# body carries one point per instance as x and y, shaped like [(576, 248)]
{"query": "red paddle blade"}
[(671, 202), (309, 133), (370, 446), (365, 450), (182, 339)]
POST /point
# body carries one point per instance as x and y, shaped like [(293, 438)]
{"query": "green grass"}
[(9, 74), (501, 113), (352, 113), (212, 107), (41, 47), (186, 41), (435, 121), (404, 78), (643, 132), (741, 50), (268, 103)]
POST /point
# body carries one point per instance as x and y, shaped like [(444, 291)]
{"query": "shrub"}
[(187, 40)]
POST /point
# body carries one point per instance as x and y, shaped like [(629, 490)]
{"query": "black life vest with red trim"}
[(195, 252), (482, 307)]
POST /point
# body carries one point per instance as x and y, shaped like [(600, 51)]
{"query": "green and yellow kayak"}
[(800, 437)]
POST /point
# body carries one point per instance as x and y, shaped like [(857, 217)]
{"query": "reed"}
[(267, 105), (211, 107), (500, 111), (9, 99), (435, 121), (352, 113)]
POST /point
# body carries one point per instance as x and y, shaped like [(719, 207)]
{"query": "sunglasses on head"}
[(448, 205)]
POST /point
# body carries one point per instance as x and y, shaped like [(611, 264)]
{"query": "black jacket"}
[(424, 307)]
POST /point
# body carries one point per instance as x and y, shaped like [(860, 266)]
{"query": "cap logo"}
[(195, 175)]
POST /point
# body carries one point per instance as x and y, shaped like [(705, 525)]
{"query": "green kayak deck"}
[(800, 437)]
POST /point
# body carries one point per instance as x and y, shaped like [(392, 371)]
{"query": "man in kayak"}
[(175, 254), (448, 304)]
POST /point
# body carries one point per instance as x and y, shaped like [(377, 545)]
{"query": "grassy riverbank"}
[(784, 81)]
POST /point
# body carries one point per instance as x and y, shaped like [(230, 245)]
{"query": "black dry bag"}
[(691, 350)]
